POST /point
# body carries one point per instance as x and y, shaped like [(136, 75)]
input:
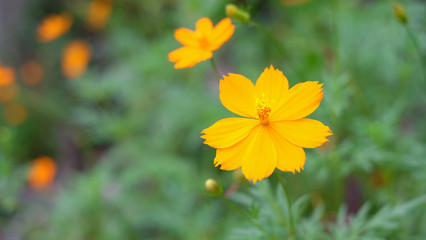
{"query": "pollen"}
[(263, 110)]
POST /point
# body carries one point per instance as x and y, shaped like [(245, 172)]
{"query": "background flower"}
[(200, 44)]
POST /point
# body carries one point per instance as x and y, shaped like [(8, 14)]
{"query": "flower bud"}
[(399, 13), (213, 187), (237, 13)]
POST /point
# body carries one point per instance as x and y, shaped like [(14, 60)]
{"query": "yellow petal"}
[(227, 132), (237, 94), (305, 132), (231, 158), (186, 37), (290, 157), (204, 26), (260, 157), (186, 57), (300, 101), (221, 33), (273, 85)]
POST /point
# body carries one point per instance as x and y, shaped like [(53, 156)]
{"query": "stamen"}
[(263, 110)]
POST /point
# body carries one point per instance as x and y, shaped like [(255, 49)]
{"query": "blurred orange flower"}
[(8, 92), (98, 13), (7, 75), (294, 2), (274, 129), (42, 172), (31, 73), (75, 58), (200, 44), (14, 113), (53, 26)]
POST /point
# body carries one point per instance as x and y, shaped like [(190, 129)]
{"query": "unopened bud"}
[(237, 13), (399, 12), (213, 187)]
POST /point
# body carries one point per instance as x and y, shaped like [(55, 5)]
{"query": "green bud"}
[(237, 13), (213, 187), (399, 13)]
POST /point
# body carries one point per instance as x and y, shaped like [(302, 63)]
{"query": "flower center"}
[(203, 41), (263, 110)]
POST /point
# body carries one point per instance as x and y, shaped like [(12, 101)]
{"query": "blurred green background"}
[(125, 135)]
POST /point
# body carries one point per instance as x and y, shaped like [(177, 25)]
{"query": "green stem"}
[(270, 37), (277, 44), (334, 12), (417, 48), (290, 213), (248, 219), (215, 68)]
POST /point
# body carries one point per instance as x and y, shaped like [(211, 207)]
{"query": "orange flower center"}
[(263, 110), (203, 41)]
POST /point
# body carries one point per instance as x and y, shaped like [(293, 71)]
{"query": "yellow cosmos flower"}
[(42, 172), (200, 44), (98, 13), (53, 26), (274, 130), (7, 76), (75, 58)]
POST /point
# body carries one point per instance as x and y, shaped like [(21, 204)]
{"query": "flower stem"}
[(291, 223), (268, 35), (417, 49), (215, 68), (277, 44), (250, 220)]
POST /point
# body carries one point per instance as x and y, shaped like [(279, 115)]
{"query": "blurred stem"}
[(291, 228), (334, 11), (277, 209), (270, 37), (417, 49), (249, 219), (277, 44), (215, 68)]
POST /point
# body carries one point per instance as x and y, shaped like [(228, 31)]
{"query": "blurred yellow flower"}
[(31, 72), (42, 172), (274, 129), (200, 44), (98, 13), (75, 58), (7, 75), (53, 26), (294, 2), (14, 113)]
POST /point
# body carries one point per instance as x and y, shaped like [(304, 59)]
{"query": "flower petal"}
[(273, 85), (227, 132), (300, 101), (204, 26), (231, 158), (305, 132), (260, 157), (186, 57), (187, 37), (237, 94), (221, 33), (290, 157)]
